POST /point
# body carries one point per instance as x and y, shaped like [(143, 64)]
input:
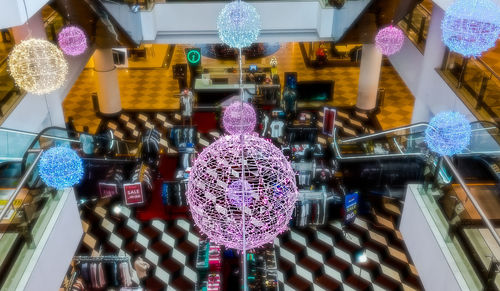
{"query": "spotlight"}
[(360, 257), (117, 209)]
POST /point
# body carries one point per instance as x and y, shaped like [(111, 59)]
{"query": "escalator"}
[(26, 202), (384, 163)]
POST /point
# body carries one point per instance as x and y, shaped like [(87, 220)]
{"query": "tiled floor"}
[(311, 258), (155, 88)]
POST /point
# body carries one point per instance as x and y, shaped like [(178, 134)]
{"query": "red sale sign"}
[(133, 193), (107, 190)]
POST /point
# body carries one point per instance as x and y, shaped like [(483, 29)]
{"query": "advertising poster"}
[(329, 115), (133, 193), (107, 190), (351, 207)]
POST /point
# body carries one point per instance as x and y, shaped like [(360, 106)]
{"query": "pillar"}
[(34, 28), (108, 91), (369, 74)]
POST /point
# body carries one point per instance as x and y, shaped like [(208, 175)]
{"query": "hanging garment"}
[(100, 276), (93, 275), (265, 125), (277, 128), (84, 272), (141, 267), (125, 274), (187, 104)]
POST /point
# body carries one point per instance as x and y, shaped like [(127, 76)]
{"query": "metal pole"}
[(243, 187), (491, 228)]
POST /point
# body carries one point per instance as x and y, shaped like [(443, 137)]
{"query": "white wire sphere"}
[(239, 118), (448, 133), (238, 24), (471, 27), (215, 191), (37, 66)]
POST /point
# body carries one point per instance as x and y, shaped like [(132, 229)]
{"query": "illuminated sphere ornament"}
[(60, 167), (389, 40), (238, 24), (471, 27), (72, 40), (237, 190), (448, 133), (37, 66), (216, 199), (239, 118)]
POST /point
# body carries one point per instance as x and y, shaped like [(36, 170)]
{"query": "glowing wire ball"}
[(239, 119), (60, 167), (448, 133), (239, 189), (72, 40), (471, 27), (389, 40), (271, 184), (238, 24), (37, 66)]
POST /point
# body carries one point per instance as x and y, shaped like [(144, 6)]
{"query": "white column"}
[(369, 75), (108, 90), (31, 29)]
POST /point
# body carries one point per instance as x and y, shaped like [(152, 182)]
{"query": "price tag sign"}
[(133, 193), (107, 190), (351, 207)]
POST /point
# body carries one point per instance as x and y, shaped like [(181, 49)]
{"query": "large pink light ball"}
[(218, 204), (239, 118), (389, 40), (72, 40)]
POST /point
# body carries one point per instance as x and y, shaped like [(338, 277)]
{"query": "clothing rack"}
[(99, 259)]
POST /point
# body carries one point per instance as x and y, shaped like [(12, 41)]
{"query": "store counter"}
[(210, 93)]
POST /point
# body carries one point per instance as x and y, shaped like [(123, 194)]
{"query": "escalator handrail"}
[(36, 134), (20, 185), (381, 133), (473, 200), (491, 125), (42, 134)]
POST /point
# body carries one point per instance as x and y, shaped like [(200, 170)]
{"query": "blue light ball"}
[(471, 27), (448, 133), (238, 24), (60, 167)]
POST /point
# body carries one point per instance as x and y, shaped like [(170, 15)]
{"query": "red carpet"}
[(155, 208), (205, 121)]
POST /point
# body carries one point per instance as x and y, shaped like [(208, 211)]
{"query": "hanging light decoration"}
[(471, 27), (238, 24), (448, 133), (37, 66), (230, 203), (389, 40), (72, 40), (60, 167), (239, 189), (239, 118)]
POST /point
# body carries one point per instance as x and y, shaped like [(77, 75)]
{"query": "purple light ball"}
[(217, 209), (239, 118), (237, 190), (389, 40), (72, 40)]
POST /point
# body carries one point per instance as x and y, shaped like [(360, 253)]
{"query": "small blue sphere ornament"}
[(448, 133), (238, 24), (60, 167), (471, 27)]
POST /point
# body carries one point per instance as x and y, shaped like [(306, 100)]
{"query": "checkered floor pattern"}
[(155, 88), (309, 258)]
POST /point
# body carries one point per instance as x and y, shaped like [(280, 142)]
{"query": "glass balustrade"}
[(476, 84), (416, 26)]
